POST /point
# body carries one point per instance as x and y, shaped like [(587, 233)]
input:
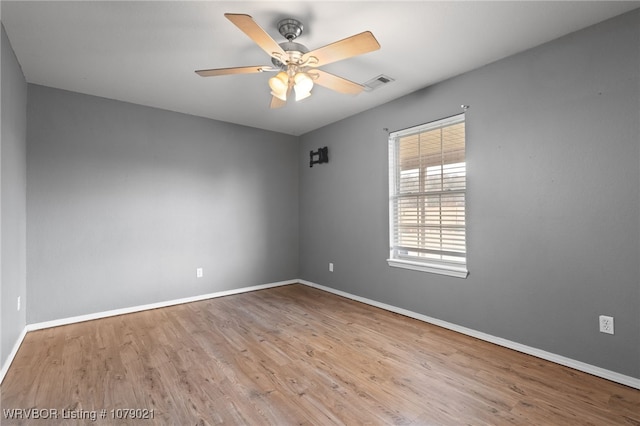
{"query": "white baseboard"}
[(558, 359), (549, 356), (129, 310), (132, 309), (12, 355)]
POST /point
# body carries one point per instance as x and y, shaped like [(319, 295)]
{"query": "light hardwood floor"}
[(296, 355)]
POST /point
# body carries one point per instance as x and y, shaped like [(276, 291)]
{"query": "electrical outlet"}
[(18, 302), (199, 273), (330, 267), (606, 324)]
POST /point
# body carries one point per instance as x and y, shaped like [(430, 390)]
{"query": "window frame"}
[(438, 266)]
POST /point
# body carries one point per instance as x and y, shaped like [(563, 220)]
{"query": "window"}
[(427, 187)]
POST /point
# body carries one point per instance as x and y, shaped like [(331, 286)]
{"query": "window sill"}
[(434, 268)]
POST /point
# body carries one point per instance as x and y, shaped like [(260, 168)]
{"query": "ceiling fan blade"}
[(247, 25), (355, 45), (229, 71), (333, 82), (277, 102)]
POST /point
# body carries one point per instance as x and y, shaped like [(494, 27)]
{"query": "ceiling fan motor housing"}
[(294, 53)]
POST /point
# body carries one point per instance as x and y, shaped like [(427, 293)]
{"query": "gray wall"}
[(553, 201), (13, 166), (125, 202)]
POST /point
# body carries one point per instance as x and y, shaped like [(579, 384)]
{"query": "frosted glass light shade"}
[(279, 85), (303, 85)]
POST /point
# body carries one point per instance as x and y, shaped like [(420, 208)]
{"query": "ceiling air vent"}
[(378, 81)]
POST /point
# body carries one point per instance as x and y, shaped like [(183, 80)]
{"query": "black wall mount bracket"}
[(322, 155)]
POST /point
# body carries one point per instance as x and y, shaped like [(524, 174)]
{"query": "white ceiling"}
[(146, 52)]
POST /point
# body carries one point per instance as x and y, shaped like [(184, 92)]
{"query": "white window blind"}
[(427, 187)]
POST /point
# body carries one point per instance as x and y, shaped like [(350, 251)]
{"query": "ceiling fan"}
[(297, 67)]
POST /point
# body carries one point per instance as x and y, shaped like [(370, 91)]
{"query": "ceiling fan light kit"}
[(297, 66), (282, 82)]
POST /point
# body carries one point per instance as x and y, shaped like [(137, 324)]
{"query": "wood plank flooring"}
[(294, 355)]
